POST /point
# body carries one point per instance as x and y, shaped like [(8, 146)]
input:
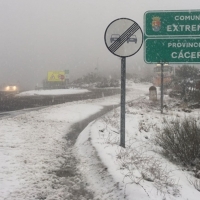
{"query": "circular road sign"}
[(123, 37)]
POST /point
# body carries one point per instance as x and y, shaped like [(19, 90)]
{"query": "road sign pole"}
[(162, 64), (123, 37), (123, 94)]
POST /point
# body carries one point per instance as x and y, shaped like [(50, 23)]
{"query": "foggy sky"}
[(37, 36)]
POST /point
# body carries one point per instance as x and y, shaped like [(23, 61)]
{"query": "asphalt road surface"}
[(12, 103)]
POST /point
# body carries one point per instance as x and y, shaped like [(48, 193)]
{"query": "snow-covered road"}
[(33, 149), (36, 152)]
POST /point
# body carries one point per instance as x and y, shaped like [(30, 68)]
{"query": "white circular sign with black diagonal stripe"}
[(123, 37)]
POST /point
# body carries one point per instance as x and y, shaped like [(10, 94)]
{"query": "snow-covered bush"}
[(180, 141), (139, 167)]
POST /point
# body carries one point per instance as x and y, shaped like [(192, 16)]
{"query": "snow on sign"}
[(123, 37)]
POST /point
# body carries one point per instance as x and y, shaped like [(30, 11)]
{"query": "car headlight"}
[(7, 88), (14, 87)]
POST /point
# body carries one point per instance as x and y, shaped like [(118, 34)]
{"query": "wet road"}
[(18, 103)]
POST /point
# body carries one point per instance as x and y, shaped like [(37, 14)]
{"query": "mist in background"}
[(37, 36)]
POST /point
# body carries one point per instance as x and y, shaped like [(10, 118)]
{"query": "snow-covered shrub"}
[(144, 126), (180, 141), (139, 167)]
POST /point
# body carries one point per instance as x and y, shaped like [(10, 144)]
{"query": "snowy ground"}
[(33, 149), (39, 161), (140, 171), (53, 92)]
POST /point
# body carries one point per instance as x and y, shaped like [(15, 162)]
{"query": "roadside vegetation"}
[(95, 80), (180, 141), (186, 83), (99, 81)]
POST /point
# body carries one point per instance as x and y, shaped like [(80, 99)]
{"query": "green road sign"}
[(172, 36), (172, 50), (172, 23)]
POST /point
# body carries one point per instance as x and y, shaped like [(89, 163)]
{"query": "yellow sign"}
[(57, 76)]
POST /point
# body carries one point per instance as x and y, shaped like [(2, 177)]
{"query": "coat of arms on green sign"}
[(156, 24)]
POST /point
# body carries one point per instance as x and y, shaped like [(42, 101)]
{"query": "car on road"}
[(10, 89)]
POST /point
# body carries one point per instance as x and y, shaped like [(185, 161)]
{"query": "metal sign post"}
[(123, 37), (123, 101), (162, 64)]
